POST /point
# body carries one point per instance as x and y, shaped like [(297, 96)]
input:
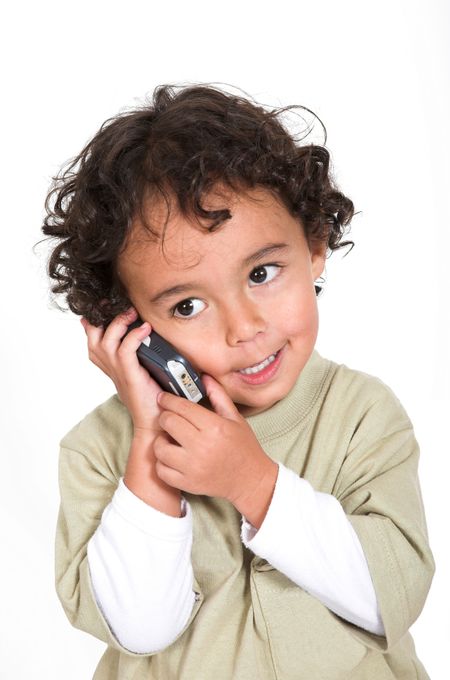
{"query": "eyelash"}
[(256, 285)]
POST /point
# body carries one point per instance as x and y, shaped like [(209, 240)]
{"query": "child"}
[(276, 530)]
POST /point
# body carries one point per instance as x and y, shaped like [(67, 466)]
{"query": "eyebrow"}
[(179, 289)]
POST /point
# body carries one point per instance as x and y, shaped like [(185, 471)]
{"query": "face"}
[(240, 302)]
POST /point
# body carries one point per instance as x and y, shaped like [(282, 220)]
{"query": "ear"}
[(318, 250)]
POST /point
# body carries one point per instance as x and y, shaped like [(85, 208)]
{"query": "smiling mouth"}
[(256, 368)]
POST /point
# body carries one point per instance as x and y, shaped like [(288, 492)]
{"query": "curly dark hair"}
[(182, 143)]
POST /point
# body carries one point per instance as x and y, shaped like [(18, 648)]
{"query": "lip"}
[(266, 374)]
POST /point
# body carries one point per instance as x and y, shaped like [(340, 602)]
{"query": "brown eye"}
[(258, 275), (188, 308), (264, 273), (185, 308)]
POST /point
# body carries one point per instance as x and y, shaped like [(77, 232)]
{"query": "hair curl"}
[(183, 142)]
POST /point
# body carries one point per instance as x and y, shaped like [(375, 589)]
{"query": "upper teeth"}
[(259, 367)]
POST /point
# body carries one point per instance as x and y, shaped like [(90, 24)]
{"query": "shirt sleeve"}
[(378, 488), (87, 486), (307, 536), (141, 572)]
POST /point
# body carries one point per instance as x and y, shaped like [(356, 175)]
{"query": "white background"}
[(377, 74)]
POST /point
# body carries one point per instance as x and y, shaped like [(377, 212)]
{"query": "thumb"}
[(220, 401)]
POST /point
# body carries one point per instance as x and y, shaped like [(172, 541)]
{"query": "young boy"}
[(278, 531)]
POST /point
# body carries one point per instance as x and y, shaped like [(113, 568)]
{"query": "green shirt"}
[(348, 435)]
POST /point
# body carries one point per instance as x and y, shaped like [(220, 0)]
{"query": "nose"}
[(244, 321)]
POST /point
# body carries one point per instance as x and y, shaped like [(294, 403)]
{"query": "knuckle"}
[(166, 419), (216, 430), (121, 352), (160, 469), (158, 443), (92, 353)]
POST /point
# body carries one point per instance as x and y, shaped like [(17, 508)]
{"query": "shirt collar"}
[(295, 406)]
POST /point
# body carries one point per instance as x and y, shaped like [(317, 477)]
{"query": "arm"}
[(307, 536), (87, 487), (378, 490), (140, 566), (93, 456)]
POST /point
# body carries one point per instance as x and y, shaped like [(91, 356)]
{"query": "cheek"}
[(211, 358), (204, 354), (298, 315)]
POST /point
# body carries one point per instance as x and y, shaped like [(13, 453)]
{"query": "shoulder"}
[(108, 418), (359, 387), (360, 392), (372, 431), (104, 433)]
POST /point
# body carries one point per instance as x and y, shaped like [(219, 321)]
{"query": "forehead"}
[(257, 217)]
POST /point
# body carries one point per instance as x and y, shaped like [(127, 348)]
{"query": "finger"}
[(99, 349), (117, 329), (180, 429), (219, 399), (195, 414), (170, 476), (126, 352), (172, 455), (94, 336), (94, 333)]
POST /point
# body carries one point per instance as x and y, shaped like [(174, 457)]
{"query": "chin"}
[(252, 399), (261, 402)]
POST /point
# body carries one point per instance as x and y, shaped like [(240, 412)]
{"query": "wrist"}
[(141, 478), (145, 434), (254, 502)]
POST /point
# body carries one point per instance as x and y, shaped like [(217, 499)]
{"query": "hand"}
[(118, 360), (215, 453)]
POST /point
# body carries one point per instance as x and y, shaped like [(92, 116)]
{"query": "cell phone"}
[(171, 370)]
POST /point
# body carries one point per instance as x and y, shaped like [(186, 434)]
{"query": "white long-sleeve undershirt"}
[(141, 571)]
